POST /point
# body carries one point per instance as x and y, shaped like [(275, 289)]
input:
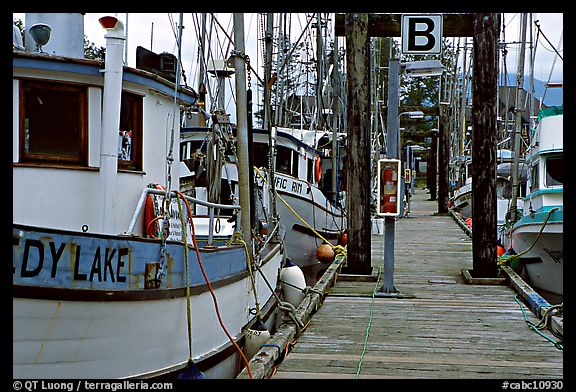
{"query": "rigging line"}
[(289, 54), (546, 38), (202, 58), (551, 71), (200, 51), (255, 73)]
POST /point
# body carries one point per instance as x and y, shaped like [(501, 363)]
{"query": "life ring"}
[(153, 212), (317, 169)]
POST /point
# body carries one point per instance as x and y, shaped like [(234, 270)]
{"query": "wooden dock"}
[(439, 328)]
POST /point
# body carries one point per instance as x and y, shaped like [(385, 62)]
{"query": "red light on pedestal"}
[(108, 22)]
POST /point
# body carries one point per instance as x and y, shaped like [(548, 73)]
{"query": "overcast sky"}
[(155, 32)]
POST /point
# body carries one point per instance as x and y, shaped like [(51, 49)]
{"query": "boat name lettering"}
[(106, 265), (283, 184)]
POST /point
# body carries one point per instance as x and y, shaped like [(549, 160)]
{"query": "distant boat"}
[(106, 284), (538, 235), (462, 199)]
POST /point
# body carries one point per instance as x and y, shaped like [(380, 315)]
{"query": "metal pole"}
[(112, 95), (392, 135), (242, 124), (514, 215)]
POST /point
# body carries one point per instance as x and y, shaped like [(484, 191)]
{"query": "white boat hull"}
[(548, 273), (313, 208), (82, 308)]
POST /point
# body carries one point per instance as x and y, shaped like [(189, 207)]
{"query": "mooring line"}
[(367, 334)]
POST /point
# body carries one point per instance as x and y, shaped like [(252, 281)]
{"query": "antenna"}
[(40, 33)]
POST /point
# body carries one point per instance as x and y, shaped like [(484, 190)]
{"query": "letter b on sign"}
[(421, 34)]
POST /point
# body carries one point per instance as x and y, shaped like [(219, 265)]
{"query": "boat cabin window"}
[(130, 133), (534, 178), (260, 157), (287, 161), (554, 171), (53, 123)]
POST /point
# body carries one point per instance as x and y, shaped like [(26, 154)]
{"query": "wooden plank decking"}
[(440, 328)]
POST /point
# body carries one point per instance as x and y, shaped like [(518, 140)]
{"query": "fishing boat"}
[(114, 273), (289, 162), (306, 213), (537, 237), (462, 199)]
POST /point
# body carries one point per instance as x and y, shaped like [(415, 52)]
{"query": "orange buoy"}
[(500, 250), (343, 239), (469, 222), (153, 212), (325, 253), (317, 169)]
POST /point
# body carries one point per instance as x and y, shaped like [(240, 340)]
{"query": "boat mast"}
[(268, 113), (319, 72), (202, 72), (517, 129), (242, 128), (335, 116)]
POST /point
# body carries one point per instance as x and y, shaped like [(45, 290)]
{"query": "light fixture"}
[(108, 22), (423, 68), (40, 33), (415, 114)]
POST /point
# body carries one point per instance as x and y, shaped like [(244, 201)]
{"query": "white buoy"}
[(292, 282), (256, 336)]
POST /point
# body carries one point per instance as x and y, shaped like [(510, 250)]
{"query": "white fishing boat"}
[(303, 208), (537, 237), (306, 206), (462, 199), (110, 280)]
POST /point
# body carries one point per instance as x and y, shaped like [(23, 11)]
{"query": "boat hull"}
[(72, 319), (544, 263), (301, 206)]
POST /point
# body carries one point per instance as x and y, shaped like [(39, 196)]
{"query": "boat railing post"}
[(137, 211), (210, 225)]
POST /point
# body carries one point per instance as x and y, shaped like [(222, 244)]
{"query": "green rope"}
[(556, 344), (369, 320), (188, 312)]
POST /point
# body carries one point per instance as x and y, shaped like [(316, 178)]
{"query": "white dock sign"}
[(421, 34)]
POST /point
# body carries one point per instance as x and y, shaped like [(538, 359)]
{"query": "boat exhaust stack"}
[(112, 96)]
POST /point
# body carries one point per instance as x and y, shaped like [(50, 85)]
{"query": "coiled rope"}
[(536, 327)]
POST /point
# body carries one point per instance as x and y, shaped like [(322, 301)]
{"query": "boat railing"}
[(212, 207)]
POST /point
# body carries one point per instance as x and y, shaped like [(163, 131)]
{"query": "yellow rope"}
[(184, 239), (338, 249), (238, 237)]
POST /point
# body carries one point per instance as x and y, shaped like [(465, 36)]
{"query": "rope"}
[(237, 237), (366, 335), (211, 290), (533, 327), (551, 311), (509, 259), (285, 306), (185, 240), (338, 249)]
